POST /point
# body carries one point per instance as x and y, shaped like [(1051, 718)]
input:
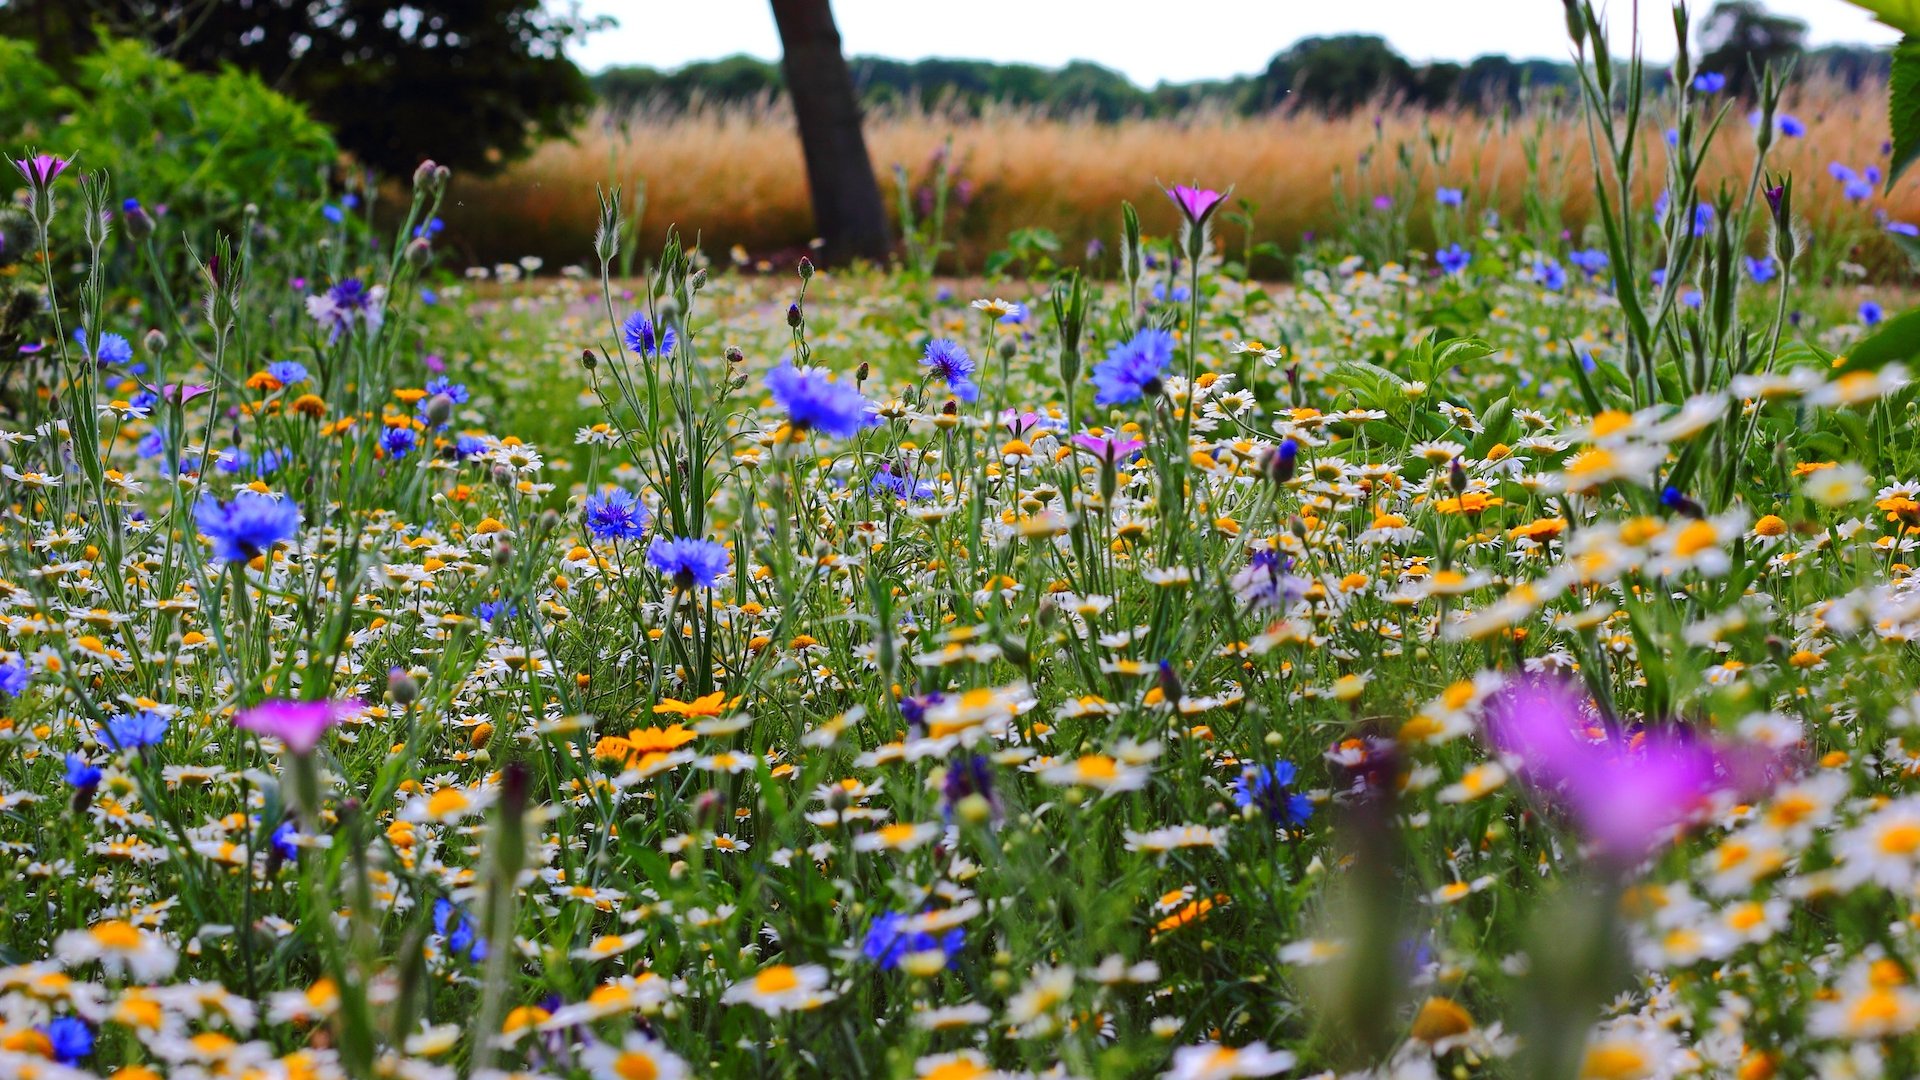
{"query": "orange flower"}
[(713, 704)]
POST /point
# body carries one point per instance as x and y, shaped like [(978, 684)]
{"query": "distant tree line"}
[(1336, 74)]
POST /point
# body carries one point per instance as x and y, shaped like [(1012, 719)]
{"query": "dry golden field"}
[(735, 176)]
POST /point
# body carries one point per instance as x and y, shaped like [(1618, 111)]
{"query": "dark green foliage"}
[(472, 84), (1739, 38)]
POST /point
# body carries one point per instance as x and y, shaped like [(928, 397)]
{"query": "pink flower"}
[(1196, 203), (40, 169), (1624, 792), (1109, 451), (185, 393), (299, 724)]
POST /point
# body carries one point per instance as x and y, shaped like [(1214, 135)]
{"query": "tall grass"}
[(736, 173)]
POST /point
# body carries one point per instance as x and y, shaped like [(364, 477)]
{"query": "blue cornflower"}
[(616, 514), (1449, 196), (284, 840), (82, 773), (1761, 270), (288, 372), (152, 444), (813, 400), (70, 1038), (132, 731), (949, 361), (968, 774), (333, 213), (1550, 274), (1453, 258), (1903, 228), (1709, 82), (1871, 313), (1269, 789), (398, 442), (689, 561), (233, 460), (467, 446), (1702, 219), (642, 337), (440, 384), (1016, 314), (1591, 262), (1133, 368), (488, 610), (889, 939), (463, 939), (248, 526), (1790, 126), (13, 677), (113, 348), (885, 480)]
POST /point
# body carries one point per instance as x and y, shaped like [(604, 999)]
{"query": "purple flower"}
[(1109, 451), (1624, 794), (815, 402), (1453, 258), (298, 724), (947, 359), (1133, 369), (40, 169), (248, 526), (1196, 203), (689, 562), (1449, 196), (348, 302)]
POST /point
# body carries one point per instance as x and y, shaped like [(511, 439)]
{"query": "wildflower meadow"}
[(1486, 657)]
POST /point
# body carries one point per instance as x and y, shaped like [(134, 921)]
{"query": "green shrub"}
[(204, 146)]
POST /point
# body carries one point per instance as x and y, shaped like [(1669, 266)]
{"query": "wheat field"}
[(735, 173)]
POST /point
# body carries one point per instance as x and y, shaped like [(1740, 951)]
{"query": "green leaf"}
[(1903, 105), (1898, 339), (1902, 15)]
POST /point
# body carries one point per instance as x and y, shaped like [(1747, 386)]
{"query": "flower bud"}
[(156, 343), (423, 176), (402, 687), (588, 360), (439, 410), (699, 280), (419, 252), (138, 222), (794, 318), (806, 268)]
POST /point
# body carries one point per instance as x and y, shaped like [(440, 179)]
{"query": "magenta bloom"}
[(185, 393), (299, 724), (40, 169), (1109, 451), (1196, 203), (1623, 792)]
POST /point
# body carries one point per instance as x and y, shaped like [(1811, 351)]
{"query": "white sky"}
[(1153, 41)]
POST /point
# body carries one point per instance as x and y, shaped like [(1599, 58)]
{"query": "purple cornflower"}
[(688, 561), (348, 302), (616, 514), (1266, 583), (968, 774), (1134, 368), (643, 338), (885, 480), (947, 359), (1449, 196), (248, 526), (815, 402)]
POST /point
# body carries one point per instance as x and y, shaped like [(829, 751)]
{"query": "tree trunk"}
[(848, 213)]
